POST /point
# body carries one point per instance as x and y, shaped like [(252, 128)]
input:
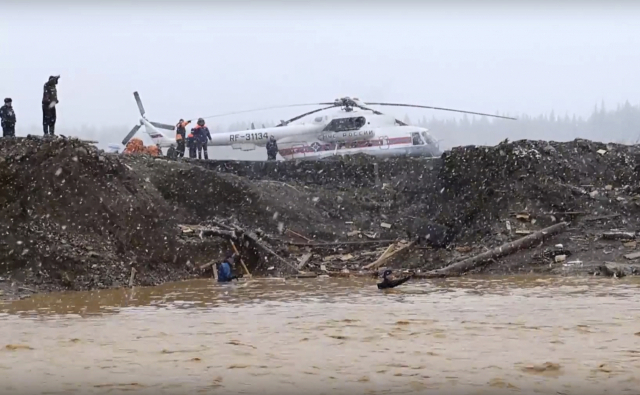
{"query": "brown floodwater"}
[(515, 335)]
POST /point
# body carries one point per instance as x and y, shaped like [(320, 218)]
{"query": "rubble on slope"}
[(73, 217)]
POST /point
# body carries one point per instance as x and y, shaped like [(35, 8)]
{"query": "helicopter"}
[(354, 129)]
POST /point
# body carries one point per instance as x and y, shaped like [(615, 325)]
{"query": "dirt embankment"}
[(72, 217)]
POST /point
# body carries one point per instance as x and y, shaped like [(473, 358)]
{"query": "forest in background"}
[(619, 125)]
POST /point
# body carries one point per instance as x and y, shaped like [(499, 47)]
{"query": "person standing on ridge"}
[(49, 103), (202, 135), (272, 148), (8, 119), (181, 135)]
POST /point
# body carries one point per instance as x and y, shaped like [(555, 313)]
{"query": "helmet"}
[(272, 138), (200, 121), (8, 100)]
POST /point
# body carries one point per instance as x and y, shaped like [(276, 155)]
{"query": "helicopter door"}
[(384, 142), (416, 139)]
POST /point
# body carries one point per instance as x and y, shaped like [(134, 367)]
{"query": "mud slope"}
[(272, 206), (73, 218)]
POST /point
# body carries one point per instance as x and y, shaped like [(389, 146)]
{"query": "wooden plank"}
[(633, 255), (304, 260)]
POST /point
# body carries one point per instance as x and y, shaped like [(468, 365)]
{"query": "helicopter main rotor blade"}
[(131, 134), (162, 125), (263, 109), (440, 108), (139, 103), (305, 114)]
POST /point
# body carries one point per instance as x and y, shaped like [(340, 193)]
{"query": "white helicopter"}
[(354, 129)]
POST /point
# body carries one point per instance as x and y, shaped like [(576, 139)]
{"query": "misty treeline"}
[(621, 125)]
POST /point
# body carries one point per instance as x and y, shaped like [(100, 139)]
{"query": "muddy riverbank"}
[(75, 218), (516, 334)]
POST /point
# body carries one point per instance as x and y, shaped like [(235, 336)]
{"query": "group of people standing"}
[(49, 102), (196, 140)]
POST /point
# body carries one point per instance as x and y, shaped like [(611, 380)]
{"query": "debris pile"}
[(73, 217)]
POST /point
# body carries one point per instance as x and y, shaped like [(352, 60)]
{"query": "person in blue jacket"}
[(225, 272), (202, 136)]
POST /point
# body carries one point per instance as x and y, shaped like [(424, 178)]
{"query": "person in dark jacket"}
[(49, 103), (202, 135), (181, 135), (272, 148), (225, 272), (191, 144), (8, 119)]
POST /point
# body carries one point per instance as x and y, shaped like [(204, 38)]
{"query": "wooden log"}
[(394, 254), (241, 261), (619, 236), (504, 250), (384, 254), (298, 235), (338, 243), (304, 260), (132, 276), (227, 234), (253, 238)]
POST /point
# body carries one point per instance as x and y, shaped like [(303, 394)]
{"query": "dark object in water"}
[(391, 282)]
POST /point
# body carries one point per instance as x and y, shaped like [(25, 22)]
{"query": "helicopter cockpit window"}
[(345, 124), (428, 139), (417, 140)]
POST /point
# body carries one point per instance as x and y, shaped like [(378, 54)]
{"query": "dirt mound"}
[(202, 194), (72, 217), (481, 187)]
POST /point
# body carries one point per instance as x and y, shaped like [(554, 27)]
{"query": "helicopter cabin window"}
[(417, 140), (345, 124)]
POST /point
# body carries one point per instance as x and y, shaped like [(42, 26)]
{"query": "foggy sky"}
[(195, 58)]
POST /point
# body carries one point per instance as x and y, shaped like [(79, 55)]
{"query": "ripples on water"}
[(471, 335)]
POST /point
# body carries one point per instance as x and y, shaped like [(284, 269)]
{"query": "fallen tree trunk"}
[(619, 236), (337, 243), (504, 250), (253, 238), (227, 234)]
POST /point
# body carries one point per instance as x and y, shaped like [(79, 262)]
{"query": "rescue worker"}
[(202, 135), (49, 102), (172, 153), (8, 119), (225, 274), (191, 144), (181, 135), (272, 148)]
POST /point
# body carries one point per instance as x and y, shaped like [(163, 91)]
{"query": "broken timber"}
[(252, 237), (504, 250), (619, 236), (338, 243)]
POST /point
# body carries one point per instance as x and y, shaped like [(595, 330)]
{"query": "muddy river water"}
[(515, 335)]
